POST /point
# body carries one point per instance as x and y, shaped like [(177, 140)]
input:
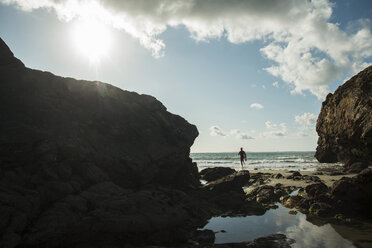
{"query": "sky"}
[(249, 74)]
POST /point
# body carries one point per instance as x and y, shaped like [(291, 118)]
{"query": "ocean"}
[(302, 161)]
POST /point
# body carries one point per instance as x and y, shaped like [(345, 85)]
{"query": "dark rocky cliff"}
[(344, 124), (87, 163)]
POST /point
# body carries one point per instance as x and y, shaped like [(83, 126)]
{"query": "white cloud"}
[(307, 123), (275, 130), (244, 136), (270, 125), (309, 51), (216, 131), (234, 131), (307, 119), (276, 84), (302, 134), (240, 135), (256, 106)]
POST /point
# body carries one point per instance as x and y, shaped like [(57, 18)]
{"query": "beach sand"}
[(327, 177)]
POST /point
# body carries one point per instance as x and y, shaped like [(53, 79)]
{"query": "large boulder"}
[(212, 174), (232, 182), (344, 124), (7, 57), (353, 196), (86, 163), (227, 193), (118, 135), (315, 190)]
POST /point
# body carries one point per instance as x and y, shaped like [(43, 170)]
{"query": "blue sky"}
[(247, 75)]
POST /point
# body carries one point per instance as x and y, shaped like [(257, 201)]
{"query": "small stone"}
[(292, 212)]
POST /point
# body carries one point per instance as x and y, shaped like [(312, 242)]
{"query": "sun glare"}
[(92, 39)]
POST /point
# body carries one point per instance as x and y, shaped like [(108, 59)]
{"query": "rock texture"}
[(212, 174), (87, 164), (344, 124), (353, 196), (229, 187), (347, 197)]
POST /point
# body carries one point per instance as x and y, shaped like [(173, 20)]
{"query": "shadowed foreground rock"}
[(212, 174), (85, 163), (225, 194), (347, 197), (344, 124)]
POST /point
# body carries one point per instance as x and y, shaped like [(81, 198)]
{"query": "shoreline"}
[(297, 161)]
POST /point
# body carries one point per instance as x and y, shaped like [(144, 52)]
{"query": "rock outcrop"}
[(85, 163), (212, 174), (347, 197), (353, 196), (228, 187), (344, 124)]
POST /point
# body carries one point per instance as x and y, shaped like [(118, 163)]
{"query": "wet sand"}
[(326, 178)]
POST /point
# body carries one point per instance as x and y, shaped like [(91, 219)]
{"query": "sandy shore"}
[(326, 178)]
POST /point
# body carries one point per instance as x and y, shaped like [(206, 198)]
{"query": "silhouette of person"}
[(242, 155)]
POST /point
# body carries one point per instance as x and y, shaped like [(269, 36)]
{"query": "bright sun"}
[(92, 39)]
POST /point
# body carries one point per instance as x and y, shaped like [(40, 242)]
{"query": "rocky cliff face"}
[(85, 162), (344, 124)]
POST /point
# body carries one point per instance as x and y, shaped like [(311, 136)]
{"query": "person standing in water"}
[(243, 156)]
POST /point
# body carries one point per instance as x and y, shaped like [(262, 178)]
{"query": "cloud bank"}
[(307, 50)]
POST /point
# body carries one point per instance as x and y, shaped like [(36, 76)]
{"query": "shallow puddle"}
[(305, 233)]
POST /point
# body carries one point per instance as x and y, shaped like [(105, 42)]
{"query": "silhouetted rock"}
[(295, 176), (86, 163), (260, 178), (356, 167), (231, 182), (321, 209), (229, 187), (315, 190), (264, 194), (204, 237), (7, 57), (212, 174), (279, 175), (353, 196), (349, 197), (268, 195), (344, 124)]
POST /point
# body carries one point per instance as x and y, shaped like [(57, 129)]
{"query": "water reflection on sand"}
[(306, 234)]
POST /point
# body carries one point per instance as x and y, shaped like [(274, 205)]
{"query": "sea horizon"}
[(286, 160), (255, 151)]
